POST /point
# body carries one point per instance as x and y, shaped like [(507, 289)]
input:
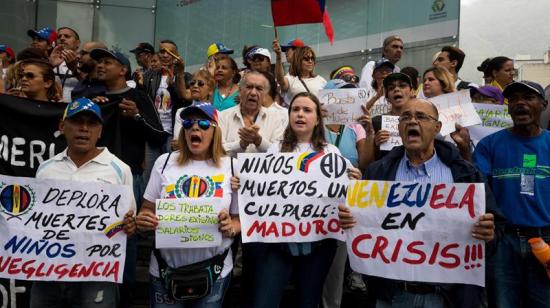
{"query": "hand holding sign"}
[(455, 107), (391, 125)]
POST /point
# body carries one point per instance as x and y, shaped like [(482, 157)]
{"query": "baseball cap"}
[(218, 48), (383, 62), (143, 47), (99, 53), (259, 51), (46, 33), (488, 91), (206, 109), (523, 85), (7, 49), (396, 76), (293, 44), (82, 105)]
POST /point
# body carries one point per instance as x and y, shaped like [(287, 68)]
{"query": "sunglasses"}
[(203, 124), (258, 58), (199, 83), (307, 59), (27, 75), (351, 78)]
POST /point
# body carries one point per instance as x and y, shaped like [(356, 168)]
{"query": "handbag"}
[(193, 281)]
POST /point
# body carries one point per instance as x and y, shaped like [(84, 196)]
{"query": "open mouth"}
[(195, 140), (521, 111), (300, 122), (413, 134), (397, 97)]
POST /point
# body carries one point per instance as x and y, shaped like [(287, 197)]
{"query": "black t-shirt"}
[(128, 135)]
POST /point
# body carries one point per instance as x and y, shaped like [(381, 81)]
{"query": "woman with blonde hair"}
[(437, 81), (37, 81), (301, 77), (201, 159)]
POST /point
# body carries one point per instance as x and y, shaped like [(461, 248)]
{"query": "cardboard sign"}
[(291, 197), (343, 105), (391, 124), (188, 223), (62, 230), (455, 107), (493, 118), (417, 231)]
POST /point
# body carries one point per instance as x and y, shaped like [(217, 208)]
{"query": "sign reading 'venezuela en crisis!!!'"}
[(62, 230), (291, 197), (416, 231)]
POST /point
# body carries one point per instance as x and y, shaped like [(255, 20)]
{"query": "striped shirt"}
[(433, 170)]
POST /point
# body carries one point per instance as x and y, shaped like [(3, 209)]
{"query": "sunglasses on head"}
[(199, 83), (203, 124)]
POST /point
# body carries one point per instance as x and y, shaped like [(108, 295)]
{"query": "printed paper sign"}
[(291, 197), (455, 107), (493, 118), (62, 230), (343, 105), (416, 231), (391, 124), (188, 223)]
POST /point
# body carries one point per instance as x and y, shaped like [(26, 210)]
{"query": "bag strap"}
[(215, 260), (305, 86), (161, 263), (339, 137), (232, 170), (166, 162)]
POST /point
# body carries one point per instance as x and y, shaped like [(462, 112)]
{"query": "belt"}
[(527, 231), (418, 288)]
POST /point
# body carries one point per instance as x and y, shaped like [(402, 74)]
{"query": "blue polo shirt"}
[(520, 172)]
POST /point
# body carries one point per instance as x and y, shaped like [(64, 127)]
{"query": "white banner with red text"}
[(416, 231)]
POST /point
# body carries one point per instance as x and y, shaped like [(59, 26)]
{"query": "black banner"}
[(29, 135)]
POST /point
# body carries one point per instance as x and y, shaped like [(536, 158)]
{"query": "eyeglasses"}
[(27, 75), (203, 124), (199, 83), (419, 116), (258, 58), (307, 59), (351, 78)]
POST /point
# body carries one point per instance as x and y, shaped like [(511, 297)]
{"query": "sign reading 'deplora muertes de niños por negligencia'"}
[(57, 230)]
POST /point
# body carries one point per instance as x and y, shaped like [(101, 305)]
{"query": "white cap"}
[(260, 51)]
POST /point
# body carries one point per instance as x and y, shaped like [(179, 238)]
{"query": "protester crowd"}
[(176, 123)]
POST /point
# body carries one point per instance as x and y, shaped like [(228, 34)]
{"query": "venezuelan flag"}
[(306, 158)]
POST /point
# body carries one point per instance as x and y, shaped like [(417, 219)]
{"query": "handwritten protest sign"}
[(62, 230), (188, 223), (416, 231), (343, 105), (493, 118), (455, 107), (391, 123), (291, 197), (380, 107)]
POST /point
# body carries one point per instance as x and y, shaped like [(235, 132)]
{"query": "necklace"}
[(227, 93)]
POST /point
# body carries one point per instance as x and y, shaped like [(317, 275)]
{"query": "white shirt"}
[(68, 84), (366, 74), (280, 111), (271, 125), (166, 184), (295, 86), (104, 168)]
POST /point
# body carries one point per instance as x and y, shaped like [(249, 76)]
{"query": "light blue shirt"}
[(431, 171)]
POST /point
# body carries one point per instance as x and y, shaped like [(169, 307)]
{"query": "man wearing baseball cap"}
[(82, 161), (43, 39), (392, 50), (289, 48), (143, 53), (516, 162), (259, 59)]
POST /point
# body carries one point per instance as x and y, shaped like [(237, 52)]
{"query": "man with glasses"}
[(259, 59), (89, 85), (517, 162), (422, 158)]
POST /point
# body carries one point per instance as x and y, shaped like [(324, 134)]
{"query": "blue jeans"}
[(57, 294), (160, 297), (515, 277), (274, 267)]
